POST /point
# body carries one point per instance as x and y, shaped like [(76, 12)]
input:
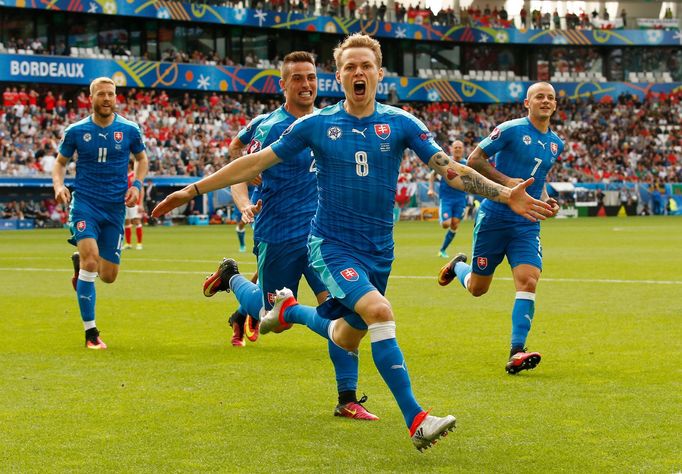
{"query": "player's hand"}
[(511, 182), (555, 206), (62, 195), (249, 212), (132, 196), (257, 180), (173, 200), (431, 193), (527, 206)]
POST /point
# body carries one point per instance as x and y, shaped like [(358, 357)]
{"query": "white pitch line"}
[(403, 277), (133, 259)]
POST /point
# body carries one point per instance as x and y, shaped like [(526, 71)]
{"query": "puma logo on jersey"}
[(543, 144), (360, 132), (103, 135)]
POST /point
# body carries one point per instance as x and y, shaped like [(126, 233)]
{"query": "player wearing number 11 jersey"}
[(103, 142)]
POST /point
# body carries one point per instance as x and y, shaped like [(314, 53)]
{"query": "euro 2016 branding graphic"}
[(383, 130), (496, 134), (349, 274)]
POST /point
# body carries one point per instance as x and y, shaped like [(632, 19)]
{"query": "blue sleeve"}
[(137, 142), (246, 134), (419, 139), (497, 140), (68, 144), (292, 141)]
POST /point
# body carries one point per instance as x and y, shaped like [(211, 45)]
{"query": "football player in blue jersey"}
[(287, 204), (523, 148), (103, 142), (235, 150), (452, 204), (358, 146)]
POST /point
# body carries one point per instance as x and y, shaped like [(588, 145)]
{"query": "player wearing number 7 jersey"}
[(523, 148), (358, 144)]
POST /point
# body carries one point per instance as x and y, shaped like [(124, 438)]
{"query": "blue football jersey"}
[(450, 194), (521, 151), (103, 155), (245, 135), (288, 190), (358, 162)]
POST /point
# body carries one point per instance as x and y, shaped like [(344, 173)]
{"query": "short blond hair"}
[(101, 80), (358, 40)]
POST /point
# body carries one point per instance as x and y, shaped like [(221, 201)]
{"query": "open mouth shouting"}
[(359, 88)]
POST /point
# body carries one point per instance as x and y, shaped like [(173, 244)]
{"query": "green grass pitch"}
[(171, 394)]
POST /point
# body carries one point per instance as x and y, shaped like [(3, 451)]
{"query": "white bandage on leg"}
[(381, 331), (86, 275), (525, 295)]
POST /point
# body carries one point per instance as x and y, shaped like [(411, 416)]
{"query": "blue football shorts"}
[(349, 274), (100, 221), (449, 209), (284, 264), (495, 238)]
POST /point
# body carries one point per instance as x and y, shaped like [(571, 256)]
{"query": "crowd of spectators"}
[(629, 140)]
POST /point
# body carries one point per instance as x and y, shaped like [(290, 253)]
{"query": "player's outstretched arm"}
[(478, 160), (468, 179), (243, 169), (61, 192)]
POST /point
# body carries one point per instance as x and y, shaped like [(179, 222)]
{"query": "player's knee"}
[(477, 290), (108, 277), (528, 284), (108, 273), (445, 224), (347, 337), (381, 311), (89, 264)]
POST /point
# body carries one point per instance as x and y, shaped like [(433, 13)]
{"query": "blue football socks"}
[(522, 317), (307, 315), (449, 235), (462, 270), (248, 294), (85, 291), (391, 365)]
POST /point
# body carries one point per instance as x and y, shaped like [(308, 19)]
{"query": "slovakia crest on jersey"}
[(118, 137), (334, 133), (482, 262), (271, 298), (80, 226), (254, 146), (349, 274), (383, 130), (554, 147)]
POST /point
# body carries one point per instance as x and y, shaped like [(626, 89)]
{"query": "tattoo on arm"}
[(477, 184), (441, 159)]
